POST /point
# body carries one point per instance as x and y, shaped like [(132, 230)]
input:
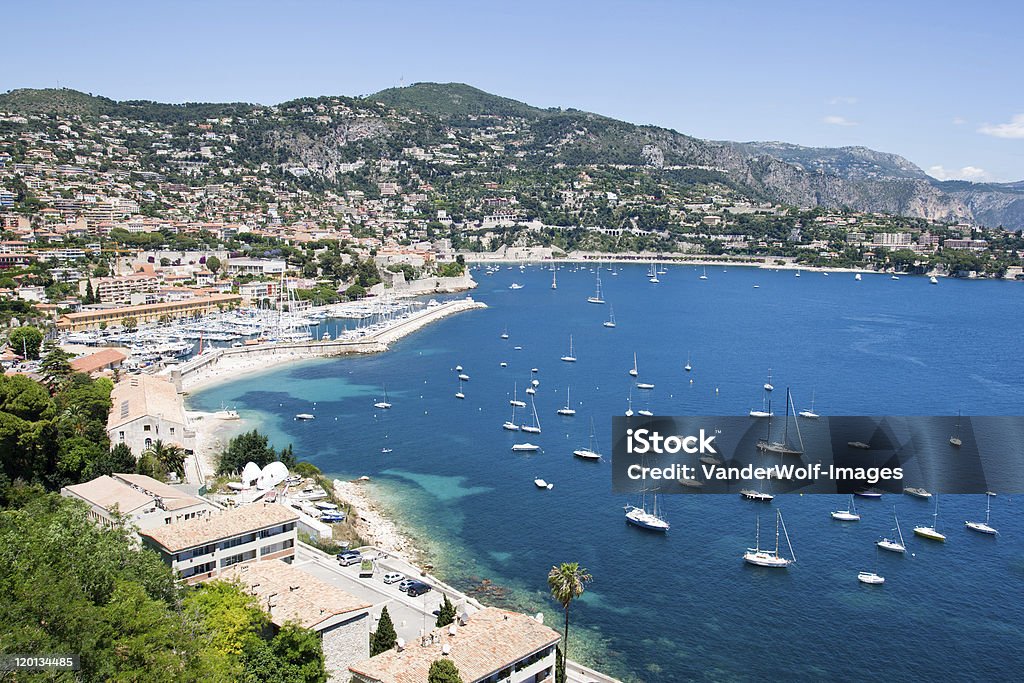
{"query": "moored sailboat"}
[(767, 558)]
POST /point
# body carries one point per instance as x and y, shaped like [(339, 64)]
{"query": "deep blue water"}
[(684, 605)]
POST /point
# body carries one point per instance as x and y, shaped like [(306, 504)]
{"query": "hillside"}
[(326, 135)]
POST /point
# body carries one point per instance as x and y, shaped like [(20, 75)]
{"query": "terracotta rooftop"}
[(106, 492), (293, 594), (491, 640), (144, 395), (197, 532), (97, 361)]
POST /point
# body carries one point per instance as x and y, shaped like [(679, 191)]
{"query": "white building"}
[(199, 549), (144, 409), (141, 501), (255, 266)]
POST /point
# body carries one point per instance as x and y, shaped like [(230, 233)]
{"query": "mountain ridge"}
[(852, 177)]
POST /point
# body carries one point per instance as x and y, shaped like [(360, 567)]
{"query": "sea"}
[(683, 605)]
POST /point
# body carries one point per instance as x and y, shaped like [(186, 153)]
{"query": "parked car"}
[(332, 517), (417, 589), (393, 577), (404, 585), (347, 557)]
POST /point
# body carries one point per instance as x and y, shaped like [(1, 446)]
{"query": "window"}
[(149, 442), (146, 428), (120, 437), (172, 431)]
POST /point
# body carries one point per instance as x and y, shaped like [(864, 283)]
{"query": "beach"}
[(373, 524)]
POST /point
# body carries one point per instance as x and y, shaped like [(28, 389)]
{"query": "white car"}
[(393, 577)]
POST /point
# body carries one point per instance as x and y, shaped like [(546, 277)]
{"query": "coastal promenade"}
[(225, 364)]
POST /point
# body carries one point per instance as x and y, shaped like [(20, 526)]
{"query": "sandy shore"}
[(372, 524)]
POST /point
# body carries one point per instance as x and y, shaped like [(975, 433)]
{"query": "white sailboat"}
[(857, 277), (768, 385), (514, 401), (610, 322), (891, 544), (646, 519), (504, 335), (850, 514), (634, 372), (984, 527), (597, 298), (767, 558), (590, 452), (765, 409), (554, 279), (810, 414), (687, 367), (510, 424), (704, 275), (932, 532), (652, 275), (535, 427), (385, 404), (459, 393), (571, 356), (629, 403), (568, 409)]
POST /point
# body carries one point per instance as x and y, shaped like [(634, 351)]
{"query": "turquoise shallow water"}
[(683, 605)]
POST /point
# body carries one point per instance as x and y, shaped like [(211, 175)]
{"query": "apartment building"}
[(145, 409), (141, 501), (125, 289), (94, 317), (200, 549)]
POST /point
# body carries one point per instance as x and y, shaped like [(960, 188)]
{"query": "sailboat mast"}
[(776, 534), (785, 531)]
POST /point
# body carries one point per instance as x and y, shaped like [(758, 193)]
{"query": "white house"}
[(144, 409)]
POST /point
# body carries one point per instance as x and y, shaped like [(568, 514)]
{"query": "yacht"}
[(984, 527), (652, 275), (504, 335), (383, 405), (857, 277), (870, 578), (933, 280), (535, 427), (646, 519), (541, 484), (891, 544), (304, 416), (767, 558), (644, 385), (757, 496), (917, 492), (768, 385), (610, 322), (597, 298), (931, 532), (782, 447), (704, 275), (848, 515), (590, 452), (514, 401), (525, 447), (687, 367), (568, 409), (954, 440), (571, 356), (515, 285), (510, 424), (810, 414), (634, 372)]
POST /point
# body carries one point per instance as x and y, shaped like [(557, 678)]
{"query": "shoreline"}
[(376, 526)]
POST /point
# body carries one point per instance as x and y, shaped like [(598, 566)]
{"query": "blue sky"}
[(938, 82)]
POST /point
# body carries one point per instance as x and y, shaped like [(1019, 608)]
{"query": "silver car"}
[(393, 577)]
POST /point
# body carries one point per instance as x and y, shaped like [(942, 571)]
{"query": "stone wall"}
[(344, 644)]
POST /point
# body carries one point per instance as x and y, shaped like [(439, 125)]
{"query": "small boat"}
[(894, 277), (932, 532), (590, 452), (525, 447), (870, 578), (704, 275), (858, 444), (868, 493), (644, 385), (798, 273), (531, 390), (568, 409), (645, 413), (757, 496), (571, 356), (857, 277), (554, 279), (510, 424), (847, 515), (541, 484), (514, 401), (515, 285), (634, 372), (304, 416), (458, 368), (535, 427), (768, 385), (891, 544), (504, 335), (687, 367), (503, 364), (652, 275), (464, 377), (384, 405), (933, 280), (757, 286), (610, 322), (385, 450), (984, 527), (459, 393), (810, 414), (917, 492), (710, 460), (954, 440), (766, 558)]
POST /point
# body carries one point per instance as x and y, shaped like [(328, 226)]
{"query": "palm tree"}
[(567, 582), (171, 456)]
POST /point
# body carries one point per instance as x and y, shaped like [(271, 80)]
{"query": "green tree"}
[(90, 295), (130, 324), (355, 292), (213, 264), (567, 582), (385, 637), (26, 340), (443, 671), (248, 447), (171, 457), (447, 613), (55, 368)]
